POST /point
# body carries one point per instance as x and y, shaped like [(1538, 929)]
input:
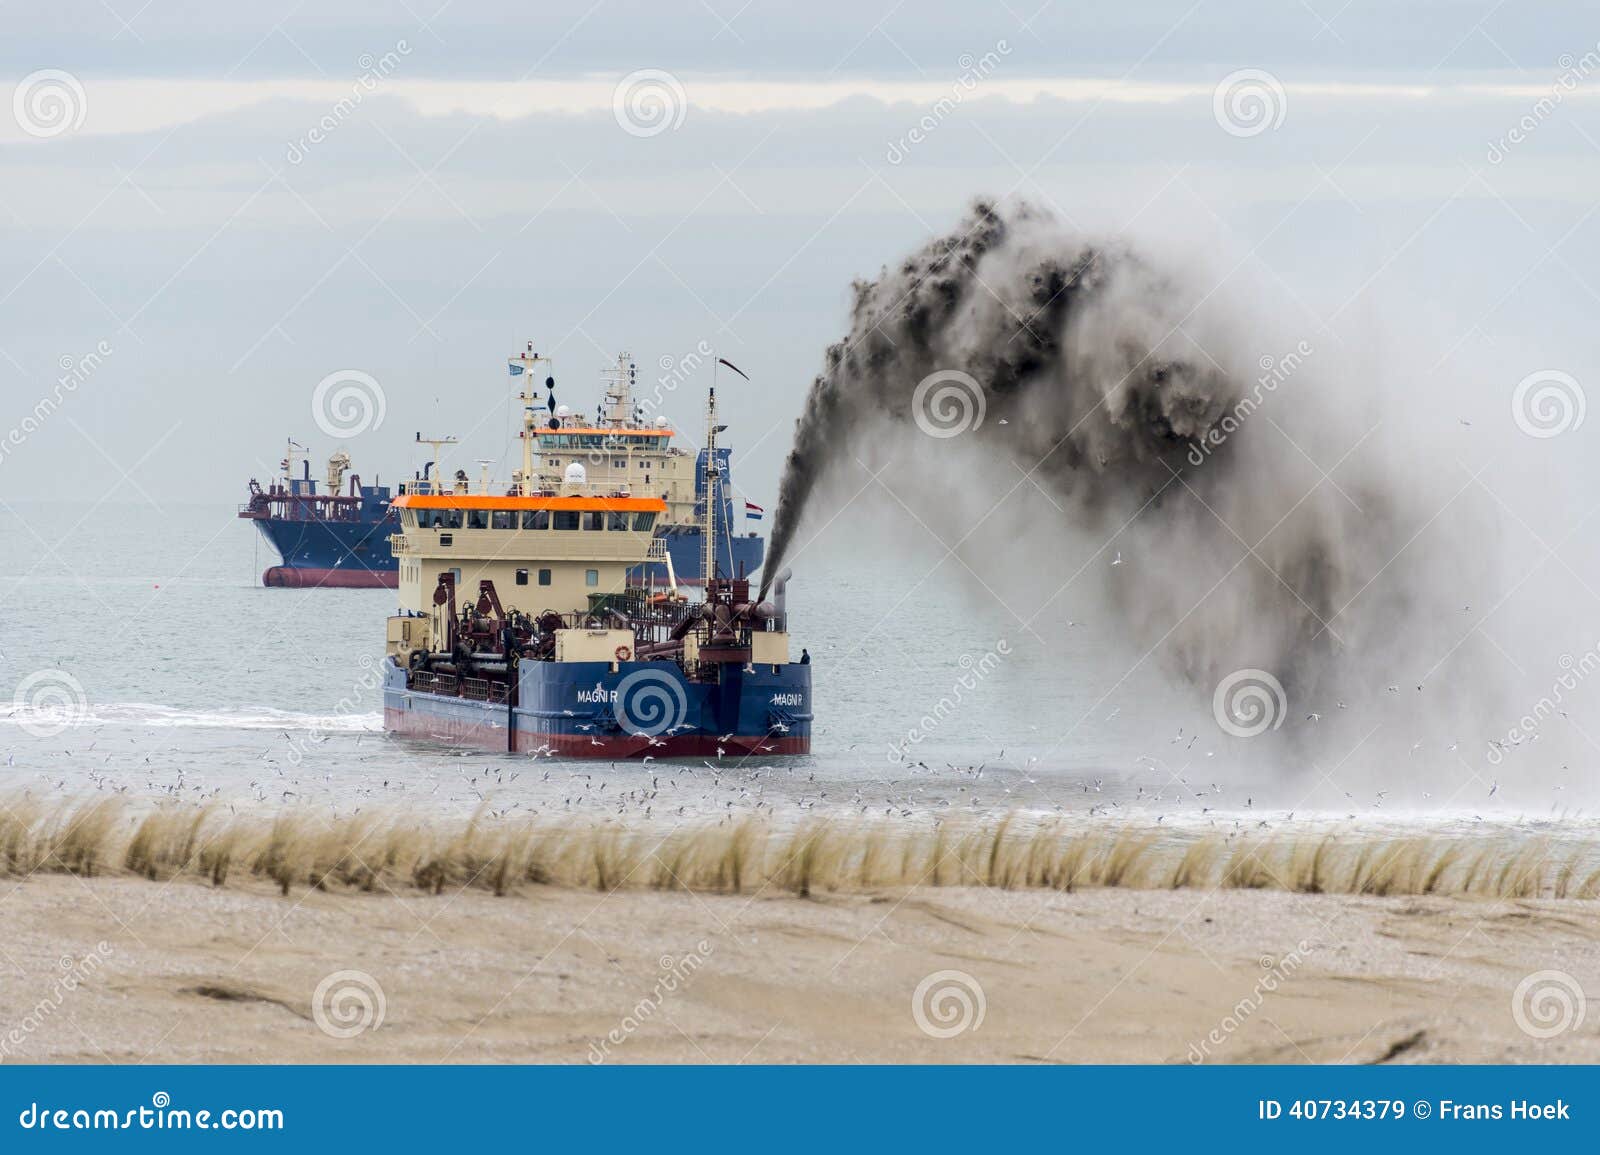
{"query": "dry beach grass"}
[(386, 853), (1088, 944)]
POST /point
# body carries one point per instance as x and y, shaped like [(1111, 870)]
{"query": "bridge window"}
[(536, 519), (644, 521), (477, 519), (503, 519), (594, 519), (616, 521), (591, 577), (544, 577), (566, 519)]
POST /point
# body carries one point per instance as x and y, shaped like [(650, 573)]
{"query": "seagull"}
[(1118, 559), (1313, 717)]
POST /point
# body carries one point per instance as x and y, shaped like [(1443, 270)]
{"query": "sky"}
[(207, 211)]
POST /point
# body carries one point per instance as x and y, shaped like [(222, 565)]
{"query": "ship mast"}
[(708, 535), (619, 406), (522, 365)]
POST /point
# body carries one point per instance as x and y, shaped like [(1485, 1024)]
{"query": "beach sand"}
[(194, 974)]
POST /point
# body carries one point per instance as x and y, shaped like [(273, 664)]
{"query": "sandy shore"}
[(193, 974)]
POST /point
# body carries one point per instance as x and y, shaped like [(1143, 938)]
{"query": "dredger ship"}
[(531, 621)]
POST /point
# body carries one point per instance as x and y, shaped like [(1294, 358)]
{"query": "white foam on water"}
[(152, 716)]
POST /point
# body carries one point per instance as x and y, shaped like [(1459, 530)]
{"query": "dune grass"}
[(396, 853)]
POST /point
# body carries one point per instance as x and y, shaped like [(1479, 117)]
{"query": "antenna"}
[(523, 365), (436, 443)]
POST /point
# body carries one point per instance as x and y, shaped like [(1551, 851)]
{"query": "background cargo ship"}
[(339, 540), (332, 539)]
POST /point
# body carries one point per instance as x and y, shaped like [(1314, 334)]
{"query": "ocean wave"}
[(152, 716)]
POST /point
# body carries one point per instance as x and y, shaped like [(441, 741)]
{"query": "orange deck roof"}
[(604, 432), (489, 501)]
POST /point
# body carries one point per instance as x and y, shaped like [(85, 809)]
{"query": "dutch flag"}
[(753, 512)]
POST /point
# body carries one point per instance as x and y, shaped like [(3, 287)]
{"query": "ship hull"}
[(331, 554), (618, 711), (307, 577)]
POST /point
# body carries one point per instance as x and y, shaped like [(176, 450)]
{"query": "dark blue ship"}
[(332, 539)]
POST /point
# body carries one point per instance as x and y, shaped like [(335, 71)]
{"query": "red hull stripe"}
[(611, 746), (292, 577)]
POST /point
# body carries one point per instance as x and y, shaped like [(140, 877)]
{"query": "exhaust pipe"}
[(780, 597)]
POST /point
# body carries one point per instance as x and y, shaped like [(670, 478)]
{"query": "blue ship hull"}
[(349, 554), (618, 710)]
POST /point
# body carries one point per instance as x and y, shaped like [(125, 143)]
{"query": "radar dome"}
[(575, 474), (661, 422), (563, 411)]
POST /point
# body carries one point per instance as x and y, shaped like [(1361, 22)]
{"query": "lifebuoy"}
[(623, 653)]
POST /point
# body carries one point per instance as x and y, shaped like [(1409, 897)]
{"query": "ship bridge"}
[(543, 551)]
